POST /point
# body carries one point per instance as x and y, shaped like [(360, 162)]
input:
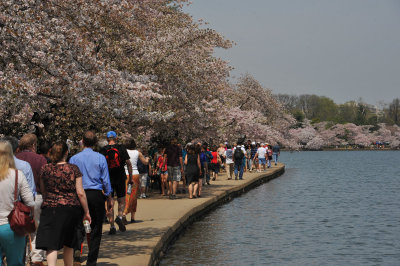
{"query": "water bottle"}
[(129, 191), (86, 224)]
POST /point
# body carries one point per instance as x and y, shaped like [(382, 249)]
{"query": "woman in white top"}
[(134, 155), (11, 244)]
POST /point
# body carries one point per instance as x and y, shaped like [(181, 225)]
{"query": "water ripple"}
[(329, 208)]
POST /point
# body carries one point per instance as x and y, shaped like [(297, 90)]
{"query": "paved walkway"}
[(159, 218)]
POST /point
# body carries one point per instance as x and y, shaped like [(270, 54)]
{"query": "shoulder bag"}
[(20, 218)]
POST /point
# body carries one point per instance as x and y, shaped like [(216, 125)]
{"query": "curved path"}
[(160, 220)]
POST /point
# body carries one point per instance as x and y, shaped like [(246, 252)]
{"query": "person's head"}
[(89, 139), (197, 148), (28, 142), (13, 142), (221, 145), (6, 159), (111, 136), (174, 141), (190, 149), (258, 145), (131, 145), (204, 146), (58, 152), (188, 144), (228, 146), (44, 148), (214, 148)]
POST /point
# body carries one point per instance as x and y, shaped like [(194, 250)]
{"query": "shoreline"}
[(203, 209), (160, 221), (341, 149)]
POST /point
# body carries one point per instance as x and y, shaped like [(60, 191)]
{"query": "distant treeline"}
[(321, 108)]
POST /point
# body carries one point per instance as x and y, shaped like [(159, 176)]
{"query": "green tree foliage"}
[(320, 108)]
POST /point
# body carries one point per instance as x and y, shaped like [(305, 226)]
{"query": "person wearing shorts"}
[(117, 157), (174, 165), (163, 173), (261, 152)]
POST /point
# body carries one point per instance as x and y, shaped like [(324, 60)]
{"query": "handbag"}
[(20, 218)]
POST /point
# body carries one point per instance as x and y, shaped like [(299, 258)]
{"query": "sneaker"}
[(144, 196), (170, 196), (121, 225), (113, 231), (124, 220)]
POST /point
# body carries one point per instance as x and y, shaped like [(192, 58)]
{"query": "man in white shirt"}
[(228, 155), (261, 151)]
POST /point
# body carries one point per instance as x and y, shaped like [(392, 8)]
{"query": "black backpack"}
[(238, 155), (113, 158)]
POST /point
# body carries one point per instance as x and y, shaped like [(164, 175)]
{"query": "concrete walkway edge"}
[(199, 211)]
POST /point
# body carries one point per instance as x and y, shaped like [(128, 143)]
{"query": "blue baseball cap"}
[(111, 134)]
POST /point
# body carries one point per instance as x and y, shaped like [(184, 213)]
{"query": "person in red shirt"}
[(215, 163), (163, 172), (27, 152)]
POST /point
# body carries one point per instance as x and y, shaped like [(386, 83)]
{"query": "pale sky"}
[(342, 49)]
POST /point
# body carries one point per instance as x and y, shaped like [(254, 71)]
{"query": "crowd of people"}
[(65, 189)]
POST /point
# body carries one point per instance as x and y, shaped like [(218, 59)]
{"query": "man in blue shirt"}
[(96, 182)]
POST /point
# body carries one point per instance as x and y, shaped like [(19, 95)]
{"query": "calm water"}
[(329, 208)]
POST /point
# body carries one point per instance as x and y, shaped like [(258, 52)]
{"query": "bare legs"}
[(193, 189), (164, 184), (68, 257), (121, 208), (200, 185)]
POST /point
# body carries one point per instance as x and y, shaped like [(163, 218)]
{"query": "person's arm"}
[(105, 178), (186, 160), (199, 163), (24, 190), (129, 166), (219, 159), (82, 199), (144, 160), (42, 187), (181, 162)]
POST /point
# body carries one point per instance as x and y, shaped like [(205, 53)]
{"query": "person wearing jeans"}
[(239, 164), (275, 153), (238, 169)]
